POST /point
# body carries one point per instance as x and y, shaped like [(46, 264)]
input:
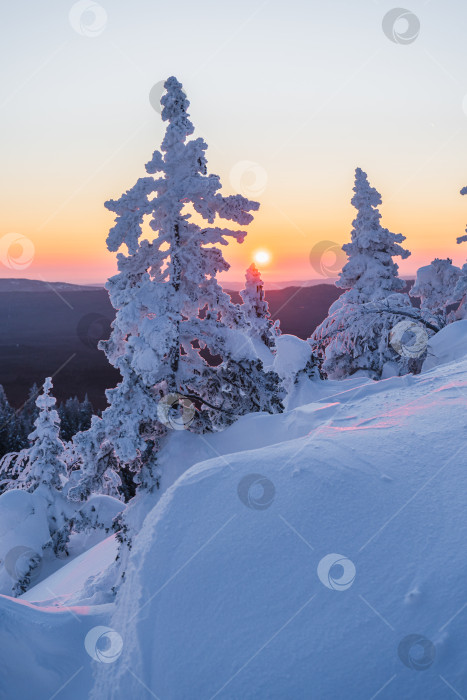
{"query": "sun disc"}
[(262, 257)]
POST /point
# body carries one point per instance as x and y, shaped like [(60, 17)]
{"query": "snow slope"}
[(42, 650), (224, 596), (225, 600), (447, 345)]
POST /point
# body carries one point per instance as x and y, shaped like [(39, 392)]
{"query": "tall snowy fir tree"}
[(171, 312), (356, 335), (255, 309), (370, 273)]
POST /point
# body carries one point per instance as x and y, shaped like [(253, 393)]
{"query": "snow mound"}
[(301, 560), (43, 650), (292, 355), (329, 565), (68, 585), (447, 345), (23, 530)]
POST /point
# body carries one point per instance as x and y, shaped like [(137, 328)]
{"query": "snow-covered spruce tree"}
[(170, 307), (46, 469), (435, 287), (41, 471), (370, 273), (356, 335), (255, 309)]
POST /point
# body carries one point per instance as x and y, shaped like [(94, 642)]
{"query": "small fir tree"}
[(255, 309)]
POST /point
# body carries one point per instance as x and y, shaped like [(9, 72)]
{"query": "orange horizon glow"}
[(84, 259), (66, 250), (78, 127)]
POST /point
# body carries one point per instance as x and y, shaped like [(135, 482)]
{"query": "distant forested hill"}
[(46, 327)]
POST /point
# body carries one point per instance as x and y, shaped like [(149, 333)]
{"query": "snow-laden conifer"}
[(357, 334), (370, 273), (46, 468), (169, 304), (435, 287), (255, 309), (41, 471)]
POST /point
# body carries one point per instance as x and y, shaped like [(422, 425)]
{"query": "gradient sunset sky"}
[(303, 91)]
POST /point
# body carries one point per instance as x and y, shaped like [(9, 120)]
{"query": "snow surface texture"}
[(232, 591), (447, 345)]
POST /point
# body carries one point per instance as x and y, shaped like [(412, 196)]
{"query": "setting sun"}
[(262, 257)]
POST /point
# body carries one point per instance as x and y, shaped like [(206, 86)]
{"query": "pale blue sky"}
[(308, 90)]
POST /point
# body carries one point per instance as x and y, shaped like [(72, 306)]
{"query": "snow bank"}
[(23, 532), (43, 655), (232, 590), (68, 585), (446, 346), (292, 355)]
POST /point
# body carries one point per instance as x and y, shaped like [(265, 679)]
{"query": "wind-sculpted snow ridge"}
[(331, 565), (318, 553)]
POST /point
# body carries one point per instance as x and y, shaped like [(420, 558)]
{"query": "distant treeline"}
[(16, 425)]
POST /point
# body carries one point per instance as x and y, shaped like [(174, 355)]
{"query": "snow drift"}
[(301, 561)]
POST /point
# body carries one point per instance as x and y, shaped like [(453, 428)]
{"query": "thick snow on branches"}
[(356, 335), (45, 465), (194, 364), (177, 339), (435, 286), (255, 309), (370, 273)]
